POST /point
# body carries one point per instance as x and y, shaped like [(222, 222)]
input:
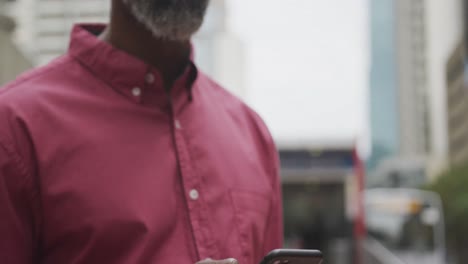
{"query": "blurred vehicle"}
[(407, 222), (399, 172), (322, 188)]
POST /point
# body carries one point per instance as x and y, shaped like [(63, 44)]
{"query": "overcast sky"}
[(307, 65)]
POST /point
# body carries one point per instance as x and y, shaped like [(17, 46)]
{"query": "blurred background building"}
[(457, 98), (384, 113), (44, 28), (411, 42), (321, 73), (13, 61), (445, 30), (457, 101), (44, 25), (413, 104), (219, 52)]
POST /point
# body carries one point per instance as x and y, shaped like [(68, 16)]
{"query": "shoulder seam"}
[(36, 73), (18, 161), (27, 184)]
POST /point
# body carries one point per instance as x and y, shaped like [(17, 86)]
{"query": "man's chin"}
[(171, 29), (172, 33), (176, 22)]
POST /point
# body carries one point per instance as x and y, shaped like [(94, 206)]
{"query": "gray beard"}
[(174, 20)]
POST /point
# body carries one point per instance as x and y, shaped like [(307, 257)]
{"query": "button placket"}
[(190, 184), (188, 181)]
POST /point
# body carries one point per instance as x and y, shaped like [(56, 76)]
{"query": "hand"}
[(211, 261)]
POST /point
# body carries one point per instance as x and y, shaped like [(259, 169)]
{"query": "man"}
[(122, 152)]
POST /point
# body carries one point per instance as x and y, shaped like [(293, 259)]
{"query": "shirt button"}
[(177, 124), (194, 195), (136, 91), (149, 78)]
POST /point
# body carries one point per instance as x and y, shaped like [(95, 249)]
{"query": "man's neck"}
[(126, 33)]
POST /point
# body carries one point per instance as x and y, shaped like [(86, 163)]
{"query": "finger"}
[(225, 261)]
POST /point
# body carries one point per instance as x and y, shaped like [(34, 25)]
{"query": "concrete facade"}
[(44, 25), (457, 102), (220, 53), (12, 62), (412, 78), (444, 33)]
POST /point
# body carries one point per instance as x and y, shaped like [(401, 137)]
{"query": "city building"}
[(411, 42), (444, 32), (384, 119), (12, 61), (399, 95), (413, 102), (219, 52), (44, 27), (457, 102)]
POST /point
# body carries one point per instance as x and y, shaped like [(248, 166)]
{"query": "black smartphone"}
[(293, 256)]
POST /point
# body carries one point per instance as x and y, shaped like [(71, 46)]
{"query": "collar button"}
[(149, 78), (136, 91)]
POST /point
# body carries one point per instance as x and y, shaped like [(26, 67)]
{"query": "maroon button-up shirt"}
[(99, 165)]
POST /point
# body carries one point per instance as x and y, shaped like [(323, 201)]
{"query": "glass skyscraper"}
[(383, 82)]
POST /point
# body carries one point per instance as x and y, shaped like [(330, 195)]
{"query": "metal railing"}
[(376, 253)]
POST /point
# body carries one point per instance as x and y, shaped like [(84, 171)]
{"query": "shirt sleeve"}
[(16, 220), (274, 235)]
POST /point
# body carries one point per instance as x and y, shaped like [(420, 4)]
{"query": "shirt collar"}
[(129, 75)]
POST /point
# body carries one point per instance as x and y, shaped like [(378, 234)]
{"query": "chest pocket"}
[(252, 212)]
